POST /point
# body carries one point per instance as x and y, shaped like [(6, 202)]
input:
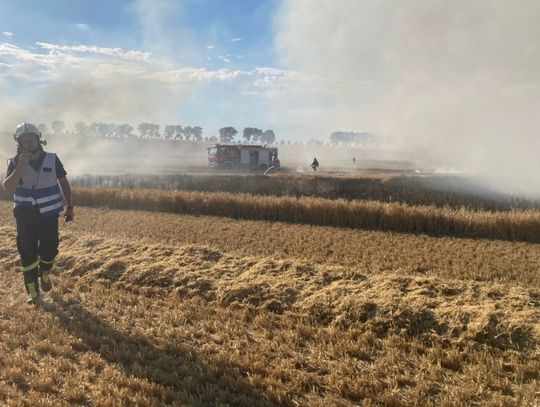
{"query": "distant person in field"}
[(354, 160), (315, 164), (37, 180)]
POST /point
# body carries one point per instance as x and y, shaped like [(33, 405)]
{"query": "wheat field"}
[(523, 225), (418, 189), (166, 309)]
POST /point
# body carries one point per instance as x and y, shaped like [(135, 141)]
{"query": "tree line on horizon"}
[(354, 138), (177, 132), (152, 131)]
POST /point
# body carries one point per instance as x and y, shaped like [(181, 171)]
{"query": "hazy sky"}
[(203, 62), (458, 81)]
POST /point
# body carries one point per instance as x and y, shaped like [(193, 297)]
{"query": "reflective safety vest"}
[(40, 188)]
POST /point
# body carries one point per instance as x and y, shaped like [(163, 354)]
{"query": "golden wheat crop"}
[(441, 191), (514, 225)]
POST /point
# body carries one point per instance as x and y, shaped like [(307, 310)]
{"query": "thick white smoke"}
[(459, 81)]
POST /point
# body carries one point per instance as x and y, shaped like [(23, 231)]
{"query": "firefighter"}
[(315, 164), (36, 179)]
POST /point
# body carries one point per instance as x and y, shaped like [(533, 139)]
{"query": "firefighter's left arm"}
[(66, 191)]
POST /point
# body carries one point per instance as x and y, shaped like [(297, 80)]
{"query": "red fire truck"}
[(242, 157)]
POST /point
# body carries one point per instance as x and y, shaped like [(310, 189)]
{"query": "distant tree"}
[(81, 129), (213, 139), (226, 134), (110, 129), (192, 132), (93, 129), (186, 131), (144, 130), (169, 131), (248, 132), (197, 132), (58, 126), (124, 130), (353, 138), (269, 137), (155, 131), (102, 129), (178, 132), (254, 134), (149, 130), (258, 136)]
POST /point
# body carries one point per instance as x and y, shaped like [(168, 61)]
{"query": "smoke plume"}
[(459, 81)]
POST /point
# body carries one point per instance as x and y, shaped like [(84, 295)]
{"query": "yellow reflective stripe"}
[(47, 262), (31, 266)]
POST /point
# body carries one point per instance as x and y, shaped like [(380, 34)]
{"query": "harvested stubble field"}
[(158, 308)]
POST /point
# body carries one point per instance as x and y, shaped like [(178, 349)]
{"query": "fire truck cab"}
[(242, 157)]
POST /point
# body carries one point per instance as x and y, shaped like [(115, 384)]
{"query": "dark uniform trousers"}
[(37, 241)]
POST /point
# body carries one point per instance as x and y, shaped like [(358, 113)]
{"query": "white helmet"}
[(26, 128)]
